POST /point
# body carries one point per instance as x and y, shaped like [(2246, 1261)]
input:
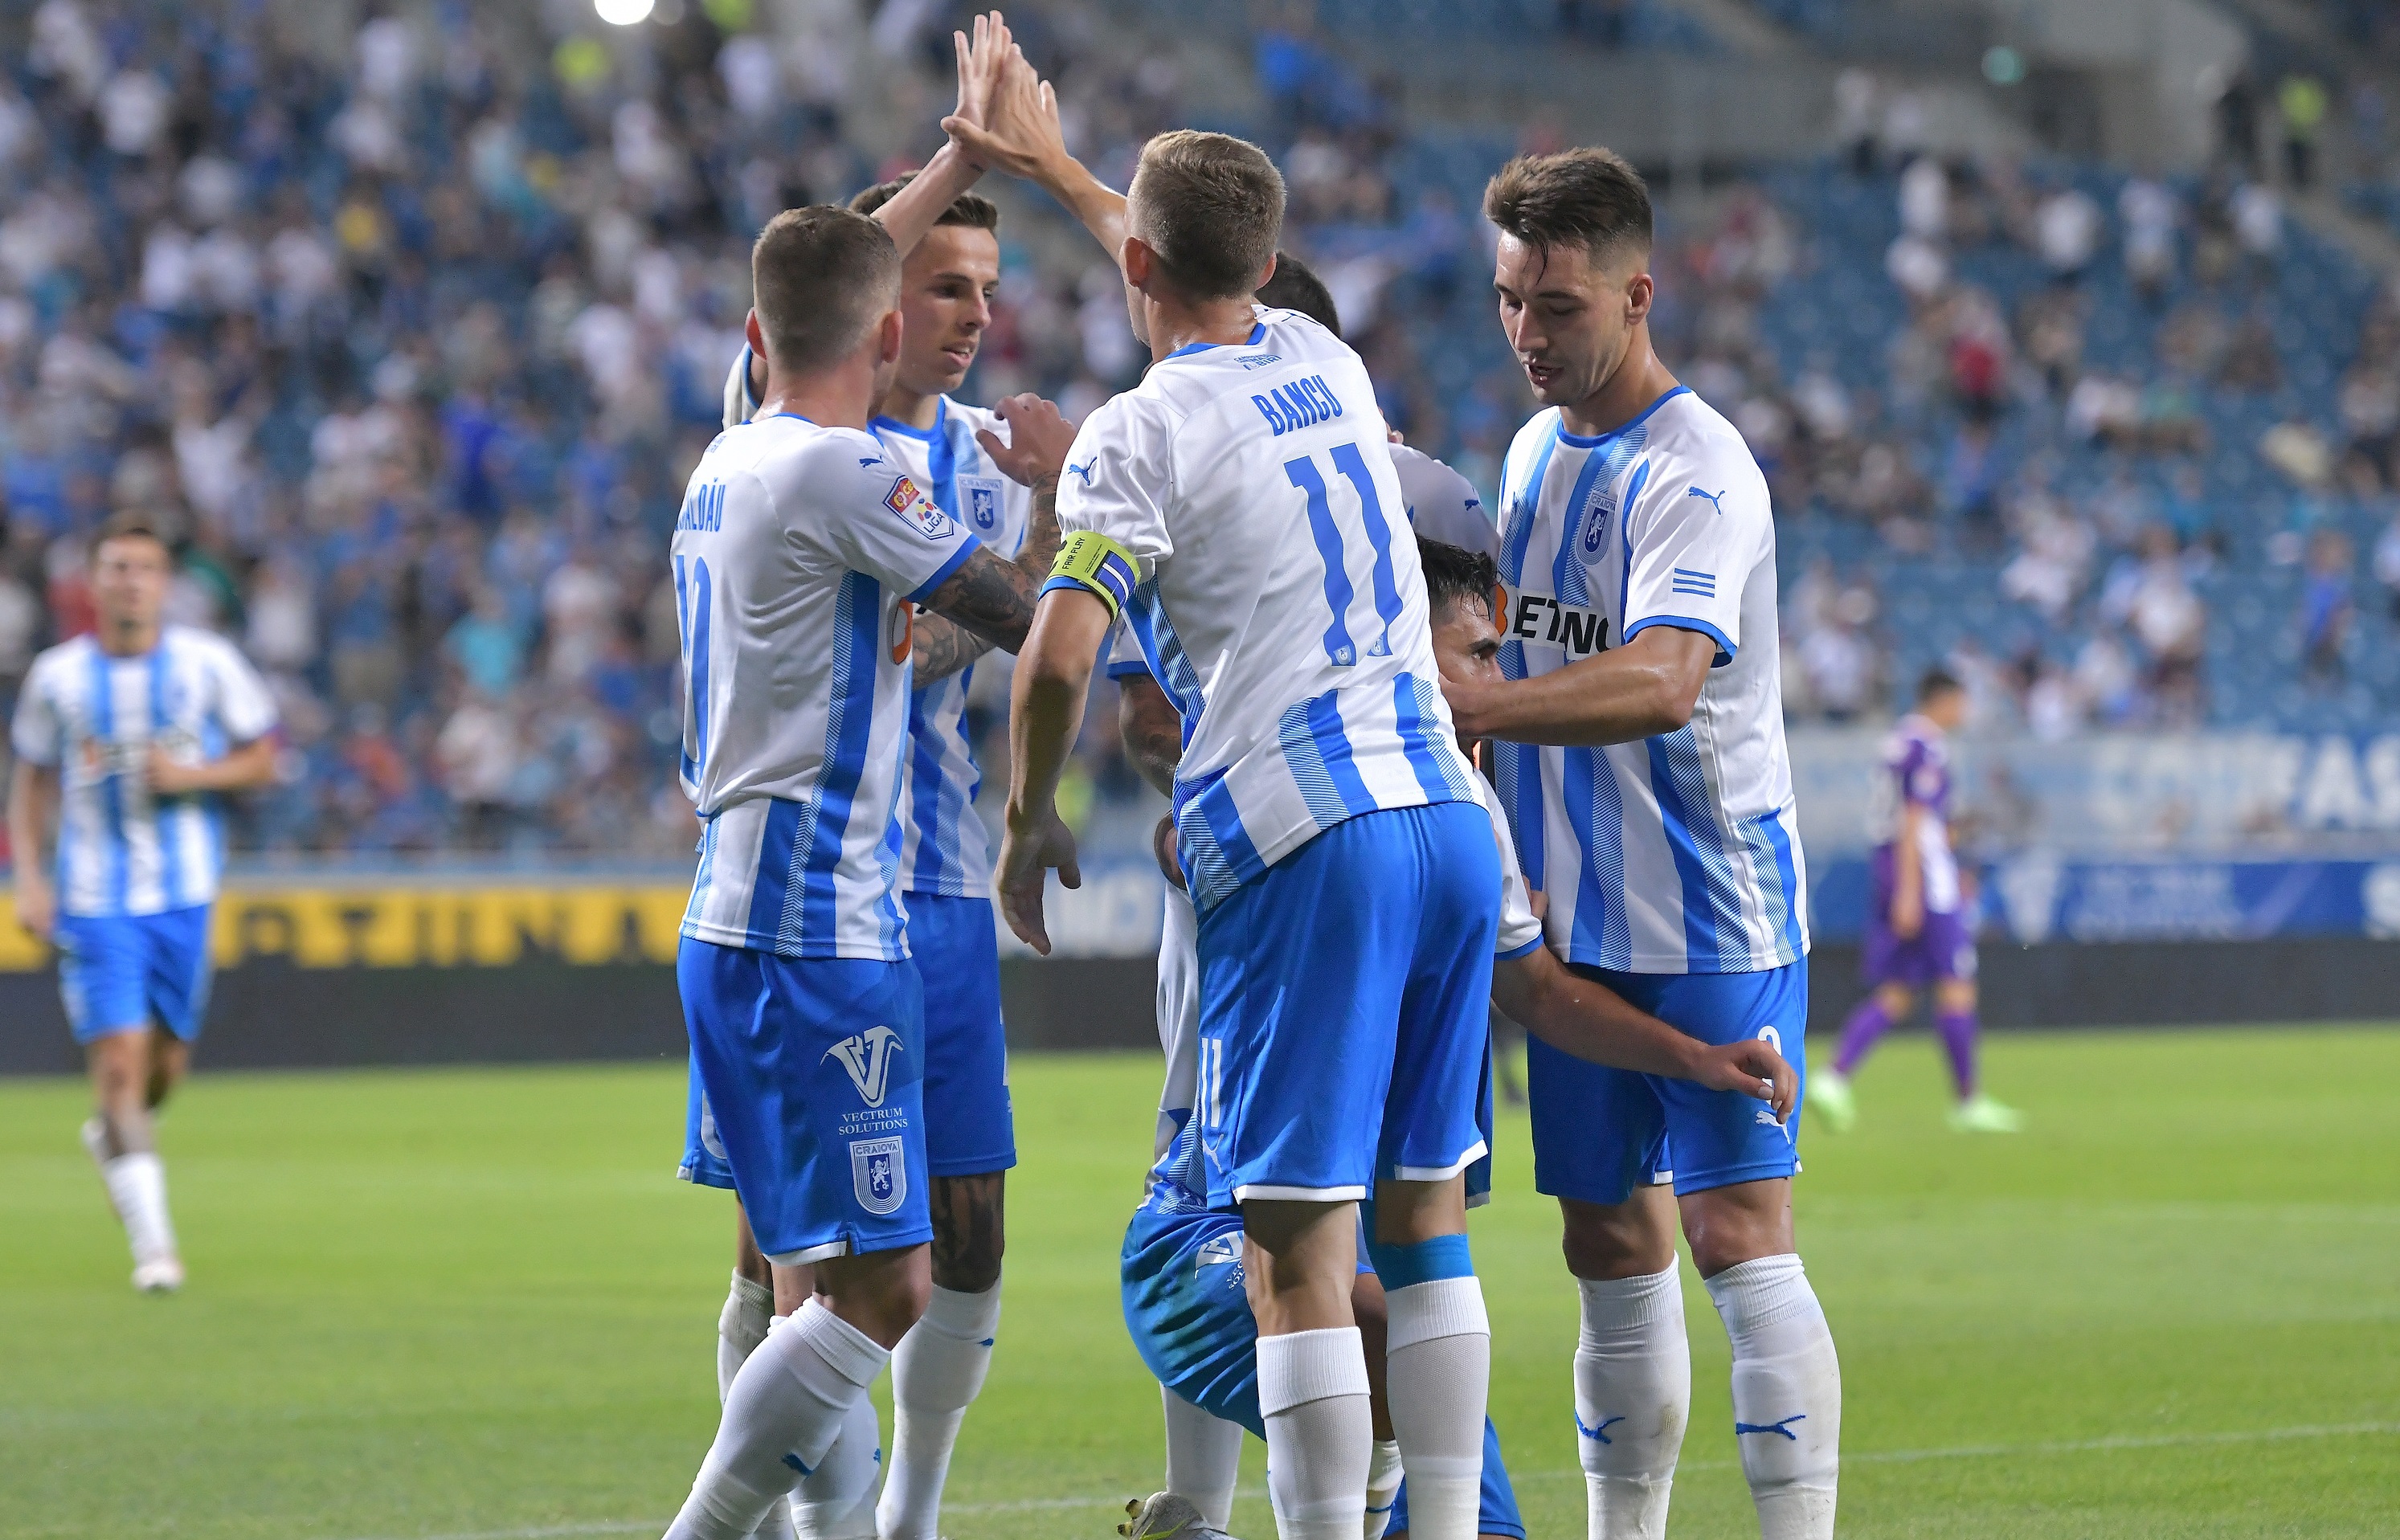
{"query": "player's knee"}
[(1624, 1240), (970, 1236), (1953, 996), (1727, 1226)]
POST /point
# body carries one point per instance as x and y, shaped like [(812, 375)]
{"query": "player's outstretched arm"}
[(1045, 707), (1020, 134), (1592, 1022), (1646, 687), (32, 801)]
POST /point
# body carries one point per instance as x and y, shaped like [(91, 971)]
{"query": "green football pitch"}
[(474, 1302)]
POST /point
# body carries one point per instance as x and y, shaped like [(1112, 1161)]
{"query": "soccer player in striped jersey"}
[(124, 740), (1181, 1263), (1642, 764), (976, 464), (1241, 506), (800, 555)]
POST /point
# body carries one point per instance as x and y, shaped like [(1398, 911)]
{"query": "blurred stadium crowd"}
[(420, 351)]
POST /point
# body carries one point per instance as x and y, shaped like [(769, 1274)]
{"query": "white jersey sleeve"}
[(1691, 542), (1119, 477), (1443, 504), (910, 546), (1520, 931), (38, 733), (243, 708), (1122, 658)]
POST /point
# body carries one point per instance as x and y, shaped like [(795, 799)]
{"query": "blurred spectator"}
[(2301, 100), (2068, 232), (2387, 564), (2149, 213), (2326, 608)]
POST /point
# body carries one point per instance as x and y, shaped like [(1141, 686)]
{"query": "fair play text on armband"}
[(1097, 564)]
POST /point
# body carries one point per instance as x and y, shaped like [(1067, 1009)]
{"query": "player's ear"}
[(1640, 290), (753, 335), (1139, 263), (888, 338)]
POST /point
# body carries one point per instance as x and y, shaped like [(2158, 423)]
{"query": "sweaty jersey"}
[(1179, 1184), (943, 847), (1240, 504), (94, 719), (1679, 854), (798, 556), (1916, 773), (1443, 504)]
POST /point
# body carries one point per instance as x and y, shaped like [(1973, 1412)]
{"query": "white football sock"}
[(936, 1373), (1437, 1373), (1203, 1458), (1633, 1396), (1320, 1432), (782, 1412), (1384, 1473), (1787, 1395), (836, 1501), (749, 1313), (137, 1185)]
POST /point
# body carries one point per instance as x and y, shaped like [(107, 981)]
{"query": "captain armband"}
[(1097, 564)]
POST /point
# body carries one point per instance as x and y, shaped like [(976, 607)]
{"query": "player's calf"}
[(1633, 1362), (1437, 1348), (1299, 1260), (940, 1366)]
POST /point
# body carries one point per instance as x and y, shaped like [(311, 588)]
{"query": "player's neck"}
[(837, 397), (1216, 323), (905, 406), (127, 640), (1639, 380)]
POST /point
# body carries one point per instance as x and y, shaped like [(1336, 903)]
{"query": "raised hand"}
[(983, 62), (1019, 131), (1038, 440)]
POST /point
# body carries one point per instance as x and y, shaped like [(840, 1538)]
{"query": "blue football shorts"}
[(1181, 1280), (1600, 1133), (968, 1125), (1344, 1009), (810, 1076), (124, 973)]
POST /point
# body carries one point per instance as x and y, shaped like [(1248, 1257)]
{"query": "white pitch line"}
[(1864, 1457)]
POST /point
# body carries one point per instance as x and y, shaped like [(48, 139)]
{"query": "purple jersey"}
[(1916, 773)]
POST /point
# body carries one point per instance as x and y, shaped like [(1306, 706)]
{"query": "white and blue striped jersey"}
[(94, 719), (798, 556), (944, 847), (1271, 580), (1680, 854)]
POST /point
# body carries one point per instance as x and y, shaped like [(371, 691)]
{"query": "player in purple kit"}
[(1919, 931)]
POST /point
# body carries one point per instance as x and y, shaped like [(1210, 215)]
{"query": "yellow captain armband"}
[(1097, 564)]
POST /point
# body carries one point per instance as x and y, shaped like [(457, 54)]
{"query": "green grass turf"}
[(474, 1302)]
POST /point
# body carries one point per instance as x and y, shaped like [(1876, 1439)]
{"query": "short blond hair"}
[(1211, 207)]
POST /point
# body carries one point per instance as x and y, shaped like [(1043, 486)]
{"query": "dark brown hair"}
[(820, 277), (1296, 287), (1211, 207), (1590, 197), (972, 210), (1456, 575), (129, 525)]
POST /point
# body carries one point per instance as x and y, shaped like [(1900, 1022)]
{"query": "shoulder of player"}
[(1692, 450), (813, 461), (1539, 430)]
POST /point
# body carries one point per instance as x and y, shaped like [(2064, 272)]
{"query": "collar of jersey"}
[(1258, 334), (923, 435), (1578, 441)]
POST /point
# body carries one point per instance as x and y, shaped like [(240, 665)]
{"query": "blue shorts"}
[(1600, 1133), (123, 973), (1344, 1009), (1181, 1277), (811, 1072), (968, 1125)]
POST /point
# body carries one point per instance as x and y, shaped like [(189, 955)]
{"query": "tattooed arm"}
[(1033, 453), (989, 599)]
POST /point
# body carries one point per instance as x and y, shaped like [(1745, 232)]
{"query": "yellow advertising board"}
[(488, 925)]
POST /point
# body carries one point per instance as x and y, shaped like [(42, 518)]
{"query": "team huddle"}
[(1424, 762)]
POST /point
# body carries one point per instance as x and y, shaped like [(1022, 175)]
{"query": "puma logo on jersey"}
[(867, 1056), (1084, 469), (1714, 499)]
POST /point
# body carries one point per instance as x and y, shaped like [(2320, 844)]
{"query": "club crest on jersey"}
[(1593, 543), (982, 501), (914, 506), (867, 1056), (878, 1175)]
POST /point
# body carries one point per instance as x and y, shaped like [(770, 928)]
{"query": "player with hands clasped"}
[(124, 740), (800, 556), (1641, 760)]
